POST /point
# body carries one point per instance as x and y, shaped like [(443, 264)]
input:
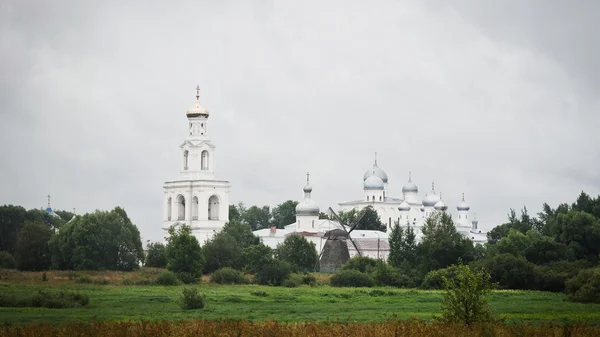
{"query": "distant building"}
[(196, 197), (411, 210)]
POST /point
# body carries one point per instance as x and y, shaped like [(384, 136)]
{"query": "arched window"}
[(169, 208), (313, 224), (390, 222), (180, 208), (379, 198), (185, 159), (204, 161), (195, 208), (213, 208)]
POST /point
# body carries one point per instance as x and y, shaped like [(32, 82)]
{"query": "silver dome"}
[(440, 206), (376, 170), (404, 206), (307, 207), (373, 183), (410, 187), (463, 206), (307, 188), (430, 200)]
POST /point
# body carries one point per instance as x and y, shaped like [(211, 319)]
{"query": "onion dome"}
[(404, 206), (307, 206), (431, 199), (376, 170), (410, 187), (197, 110), (373, 183), (463, 206), (440, 205)]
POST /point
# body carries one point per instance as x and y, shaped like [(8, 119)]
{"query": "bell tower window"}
[(185, 159), (204, 160)]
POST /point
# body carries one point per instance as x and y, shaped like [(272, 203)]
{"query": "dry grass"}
[(242, 328), (65, 277)]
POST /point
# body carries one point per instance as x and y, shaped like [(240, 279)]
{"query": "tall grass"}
[(243, 328)]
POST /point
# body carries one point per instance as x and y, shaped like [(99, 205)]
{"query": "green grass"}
[(324, 303)]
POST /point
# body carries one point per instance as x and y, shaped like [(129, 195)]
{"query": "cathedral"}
[(196, 197), (411, 210)]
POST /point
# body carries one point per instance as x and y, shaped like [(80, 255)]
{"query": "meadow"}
[(111, 300)]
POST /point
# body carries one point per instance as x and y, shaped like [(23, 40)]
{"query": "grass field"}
[(116, 302)]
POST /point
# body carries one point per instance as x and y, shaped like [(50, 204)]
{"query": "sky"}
[(497, 100)]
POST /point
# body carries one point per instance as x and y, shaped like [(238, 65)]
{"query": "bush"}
[(465, 298), (585, 287), (7, 261), (84, 280), (300, 253), (273, 273), (259, 293), (363, 264), (386, 275), (47, 299), (188, 278), (351, 278), (293, 281), (191, 299), (435, 278), (229, 275), (167, 278), (309, 279)]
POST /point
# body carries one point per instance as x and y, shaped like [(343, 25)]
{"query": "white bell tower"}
[(196, 197)]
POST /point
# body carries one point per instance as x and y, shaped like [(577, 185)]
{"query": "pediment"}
[(197, 143)]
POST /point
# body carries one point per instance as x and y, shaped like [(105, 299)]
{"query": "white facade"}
[(411, 209), (196, 198)]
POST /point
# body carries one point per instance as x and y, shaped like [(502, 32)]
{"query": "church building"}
[(196, 197)]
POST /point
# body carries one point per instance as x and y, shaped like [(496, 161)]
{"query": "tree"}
[(184, 256), (323, 216), (257, 217), (236, 212), (403, 248), (256, 256), (524, 224), (441, 245), (284, 214), (156, 256), (242, 233), (32, 252), (221, 251), (465, 298), (12, 219), (96, 241), (298, 252), (369, 221)]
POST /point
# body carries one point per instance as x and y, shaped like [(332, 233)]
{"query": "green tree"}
[(32, 252), (256, 256), (236, 212), (12, 219), (99, 240), (298, 252), (241, 232), (465, 297), (323, 216), (257, 217), (184, 256), (441, 245), (221, 251), (284, 214), (156, 256), (403, 247), (369, 221)]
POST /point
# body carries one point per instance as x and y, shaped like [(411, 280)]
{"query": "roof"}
[(388, 200), (370, 244)]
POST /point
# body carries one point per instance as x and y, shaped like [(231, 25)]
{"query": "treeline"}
[(34, 240)]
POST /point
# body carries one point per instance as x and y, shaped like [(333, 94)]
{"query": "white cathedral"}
[(197, 198)]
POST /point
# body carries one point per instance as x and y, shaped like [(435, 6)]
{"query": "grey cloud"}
[(477, 98)]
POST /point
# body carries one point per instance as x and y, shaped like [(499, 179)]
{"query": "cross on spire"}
[(307, 177), (197, 92), (433, 187), (409, 177), (463, 196), (48, 200)]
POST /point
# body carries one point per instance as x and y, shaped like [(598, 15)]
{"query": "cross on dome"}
[(197, 92)]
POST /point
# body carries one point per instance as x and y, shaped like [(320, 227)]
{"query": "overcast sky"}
[(496, 99)]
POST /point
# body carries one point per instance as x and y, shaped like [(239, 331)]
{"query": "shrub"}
[(435, 278), (191, 299), (351, 278), (464, 299), (510, 272), (188, 278), (585, 287), (386, 275), (309, 279), (293, 281), (47, 299), (273, 273), (167, 278), (363, 264), (7, 261), (84, 280), (44, 277), (229, 275), (259, 293)]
